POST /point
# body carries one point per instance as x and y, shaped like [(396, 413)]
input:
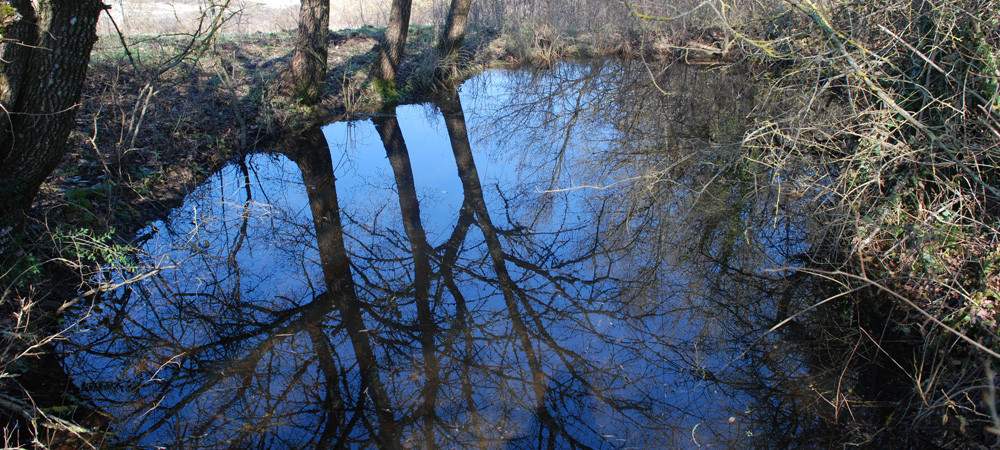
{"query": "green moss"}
[(387, 91), (307, 95), (8, 15)]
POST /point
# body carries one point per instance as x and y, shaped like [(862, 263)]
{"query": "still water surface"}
[(573, 257)]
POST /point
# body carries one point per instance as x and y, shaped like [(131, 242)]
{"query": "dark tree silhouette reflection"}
[(596, 276)]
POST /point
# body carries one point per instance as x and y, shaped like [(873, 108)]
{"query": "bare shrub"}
[(899, 105)]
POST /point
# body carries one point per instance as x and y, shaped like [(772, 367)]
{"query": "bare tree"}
[(309, 62), (317, 173), (391, 47)]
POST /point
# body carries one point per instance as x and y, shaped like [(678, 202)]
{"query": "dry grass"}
[(900, 107)]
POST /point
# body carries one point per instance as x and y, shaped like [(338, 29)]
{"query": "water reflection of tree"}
[(691, 215), (588, 322)]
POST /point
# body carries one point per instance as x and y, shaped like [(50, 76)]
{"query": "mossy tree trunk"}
[(43, 65), (309, 61), (391, 47)]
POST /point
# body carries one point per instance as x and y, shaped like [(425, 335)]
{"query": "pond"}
[(569, 257)]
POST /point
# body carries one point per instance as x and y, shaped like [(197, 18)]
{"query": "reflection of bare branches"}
[(317, 174), (395, 147), (583, 317), (455, 122), (333, 403), (246, 213)]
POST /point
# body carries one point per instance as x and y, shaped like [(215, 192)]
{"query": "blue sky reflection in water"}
[(579, 259)]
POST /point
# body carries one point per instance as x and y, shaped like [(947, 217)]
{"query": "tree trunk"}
[(453, 35), (452, 38), (454, 121), (43, 67), (309, 62), (391, 48)]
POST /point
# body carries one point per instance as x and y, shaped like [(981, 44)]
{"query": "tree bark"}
[(391, 48), (42, 71), (309, 61), (453, 36)]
